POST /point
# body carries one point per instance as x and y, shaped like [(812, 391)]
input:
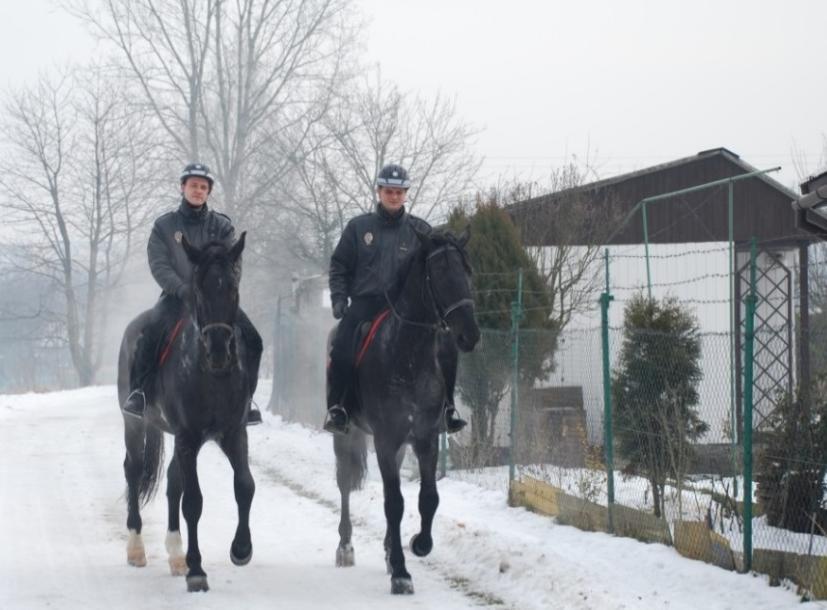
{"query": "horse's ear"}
[(193, 253), (424, 238), (238, 247), (465, 236)]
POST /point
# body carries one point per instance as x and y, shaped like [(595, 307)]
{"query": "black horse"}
[(201, 392), (399, 393)]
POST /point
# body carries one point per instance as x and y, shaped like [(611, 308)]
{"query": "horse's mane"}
[(214, 253), (442, 238), (438, 238)]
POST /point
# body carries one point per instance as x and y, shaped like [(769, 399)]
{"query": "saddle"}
[(362, 340)]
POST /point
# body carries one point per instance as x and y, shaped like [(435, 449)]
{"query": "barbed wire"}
[(668, 256), (691, 280)]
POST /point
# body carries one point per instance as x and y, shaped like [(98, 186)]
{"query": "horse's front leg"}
[(234, 446), (174, 545), (394, 507), (133, 467), (186, 452), (427, 453)]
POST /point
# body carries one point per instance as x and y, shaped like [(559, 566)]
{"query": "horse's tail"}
[(351, 459), (153, 463)]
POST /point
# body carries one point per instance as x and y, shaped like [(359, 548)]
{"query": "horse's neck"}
[(414, 300)]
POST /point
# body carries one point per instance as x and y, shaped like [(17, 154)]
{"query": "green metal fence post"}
[(646, 250), (608, 441), (516, 315), (748, 380), (733, 400)]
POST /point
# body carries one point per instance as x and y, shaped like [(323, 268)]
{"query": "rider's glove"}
[(339, 308), (183, 293)]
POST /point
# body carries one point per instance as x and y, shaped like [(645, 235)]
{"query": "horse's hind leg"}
[(174, 545), (235, 447), (427, 453), (351, 454), (133, 467), (394, 507)]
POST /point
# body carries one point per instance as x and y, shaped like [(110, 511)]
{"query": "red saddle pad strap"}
[(377, 322), (168, 347)]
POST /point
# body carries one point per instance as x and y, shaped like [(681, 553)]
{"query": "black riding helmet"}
[(394, 176), (197, 170)]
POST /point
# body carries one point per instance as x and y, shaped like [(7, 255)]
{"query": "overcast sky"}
[(631, 82)]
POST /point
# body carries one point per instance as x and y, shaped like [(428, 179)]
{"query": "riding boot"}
[(142, 366), (254, 347), (336, 419), (453, 422)]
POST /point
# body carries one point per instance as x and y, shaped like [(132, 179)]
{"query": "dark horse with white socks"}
[(201, 392), (400, 392)]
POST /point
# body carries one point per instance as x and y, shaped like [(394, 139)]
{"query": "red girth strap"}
[(172, 337), (377, 322)]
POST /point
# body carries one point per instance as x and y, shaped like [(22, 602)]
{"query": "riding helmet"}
[(197, 170), (394, 176)]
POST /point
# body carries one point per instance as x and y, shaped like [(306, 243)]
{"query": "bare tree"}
[(165, 44), (574, 224), (804, 165), (235, 84), (76, 156), (369, 126)]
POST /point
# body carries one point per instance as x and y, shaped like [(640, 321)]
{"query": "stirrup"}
[(453, 422), (134, 410), (253, 415), (336, 420)]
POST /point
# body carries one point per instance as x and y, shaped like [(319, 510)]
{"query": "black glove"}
[(183, 293), (339, 309)]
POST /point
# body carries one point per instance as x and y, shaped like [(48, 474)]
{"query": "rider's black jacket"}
[(370, 252), (167, 260)]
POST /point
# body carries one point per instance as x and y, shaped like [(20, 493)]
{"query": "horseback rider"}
[(172, 270), (370, 252)]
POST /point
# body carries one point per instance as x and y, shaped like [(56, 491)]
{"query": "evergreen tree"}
[(485, 375), (792, 463), (655, 391)]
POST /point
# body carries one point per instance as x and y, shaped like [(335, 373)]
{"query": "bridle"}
[(207, 327), (443, 312)]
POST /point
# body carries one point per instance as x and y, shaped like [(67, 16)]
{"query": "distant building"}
[(689, 236)]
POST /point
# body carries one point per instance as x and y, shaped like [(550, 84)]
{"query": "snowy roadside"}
[(509, 555), (62, 526)]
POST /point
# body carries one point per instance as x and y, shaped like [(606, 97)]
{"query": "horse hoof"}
[(178, 566), (241, 559), (196, 584), (175, 553), (419, 547), (402, 585), (345, 557), (135, 554)]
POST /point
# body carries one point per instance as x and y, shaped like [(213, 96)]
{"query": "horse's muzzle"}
[(467, 341)]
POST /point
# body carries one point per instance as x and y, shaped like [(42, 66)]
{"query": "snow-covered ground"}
[(63, 533)]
